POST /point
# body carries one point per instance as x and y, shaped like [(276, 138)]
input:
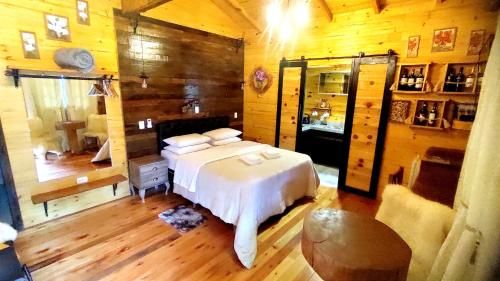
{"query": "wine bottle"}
[(459, 79), (432, 116), (479, 80), (448, 85), (403, 82), (422, 115), (469, 81), (419, 80), (411, 81)]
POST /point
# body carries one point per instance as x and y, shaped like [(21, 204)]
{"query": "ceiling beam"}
[(376, 6), (233, 8), (327, 10), (140, 6)]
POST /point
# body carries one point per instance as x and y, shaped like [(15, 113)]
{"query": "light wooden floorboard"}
[(125, 240)]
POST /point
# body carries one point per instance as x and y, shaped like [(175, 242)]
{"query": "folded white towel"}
[(251, 159), (271, 153)]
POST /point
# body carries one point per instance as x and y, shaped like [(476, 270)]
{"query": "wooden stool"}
[(341, 245)]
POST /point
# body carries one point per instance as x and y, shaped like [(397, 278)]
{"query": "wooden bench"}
[(75, 189)]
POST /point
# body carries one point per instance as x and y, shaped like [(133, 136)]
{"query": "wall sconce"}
[(192, 106)]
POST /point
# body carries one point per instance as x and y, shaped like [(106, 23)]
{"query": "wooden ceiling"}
[(251, 13)]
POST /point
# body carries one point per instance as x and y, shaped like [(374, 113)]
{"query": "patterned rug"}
[(182, 218)]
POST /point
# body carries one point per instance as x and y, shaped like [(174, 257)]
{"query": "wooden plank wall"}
[(99, 38), (182, 64), (355, 30)]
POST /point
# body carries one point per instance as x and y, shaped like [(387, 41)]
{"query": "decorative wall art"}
[(260, 80), (413, 44), (30, 45), (83, 15), (57, 27), (476, 42), (399, 110), (444, 39)]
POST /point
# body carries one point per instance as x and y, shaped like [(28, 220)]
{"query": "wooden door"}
[(367, 115), (290, 93)]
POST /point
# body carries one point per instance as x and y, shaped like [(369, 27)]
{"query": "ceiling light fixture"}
[(287, 21)]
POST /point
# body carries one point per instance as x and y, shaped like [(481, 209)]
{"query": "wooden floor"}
[(67, 164), (125, 240)]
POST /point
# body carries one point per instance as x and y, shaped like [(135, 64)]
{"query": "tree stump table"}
[(341, 245)]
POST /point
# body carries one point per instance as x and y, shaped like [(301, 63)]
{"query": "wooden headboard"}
[(188, 126)]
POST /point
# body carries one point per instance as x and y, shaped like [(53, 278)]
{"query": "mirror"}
[(68, 128), (334, 83)]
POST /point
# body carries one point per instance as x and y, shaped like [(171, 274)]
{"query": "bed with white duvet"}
[(241, 194)]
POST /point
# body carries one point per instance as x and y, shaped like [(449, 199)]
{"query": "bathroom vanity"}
[(322, 142)]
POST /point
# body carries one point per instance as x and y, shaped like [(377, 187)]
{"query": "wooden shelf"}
[(403, 92), (426, 127), (462, 125), (457, 93), (322, 108)]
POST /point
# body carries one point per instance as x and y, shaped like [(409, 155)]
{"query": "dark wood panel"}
[(182, 64)]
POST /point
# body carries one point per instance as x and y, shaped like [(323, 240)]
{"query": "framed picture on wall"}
[(413, 44), (444, 39), (57, 27), (83, 15), (400, 110), (476, 42), (30, 45)]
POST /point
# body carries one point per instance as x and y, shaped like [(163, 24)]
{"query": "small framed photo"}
[(30, 45), (82, 9), (57, 27), (476, 42), (444, 39), (413, 44)]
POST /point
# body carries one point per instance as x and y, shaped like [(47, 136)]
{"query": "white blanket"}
[(246, 195), (188, 167)]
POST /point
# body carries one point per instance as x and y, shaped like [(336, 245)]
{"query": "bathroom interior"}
[(324, 113)]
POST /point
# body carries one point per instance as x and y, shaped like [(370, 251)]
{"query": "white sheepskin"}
[(7, 233), (423, 225)]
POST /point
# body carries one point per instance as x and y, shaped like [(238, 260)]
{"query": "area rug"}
[(182, 218)]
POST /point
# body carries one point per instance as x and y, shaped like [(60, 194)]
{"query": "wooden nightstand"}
[(147, 172)]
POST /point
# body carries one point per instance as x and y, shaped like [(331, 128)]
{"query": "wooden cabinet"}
[(147, 172), (324, 147)]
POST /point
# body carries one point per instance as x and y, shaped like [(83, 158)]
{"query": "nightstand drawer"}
[(154, 181), (157, 167)]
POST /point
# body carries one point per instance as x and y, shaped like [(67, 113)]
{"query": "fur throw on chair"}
[(7, 233), (422, 224)]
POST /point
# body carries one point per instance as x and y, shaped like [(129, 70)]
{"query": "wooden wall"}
[(361, 29), (182, 64), (99, 38)]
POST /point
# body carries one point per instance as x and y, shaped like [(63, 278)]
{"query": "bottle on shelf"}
[(459, 80), (422, 114), (432, 116), (479, 80), (403, 82), (411, 81), (449, 84), (469, 81), (419, 80)]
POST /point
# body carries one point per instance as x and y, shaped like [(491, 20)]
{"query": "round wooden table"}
[(341, 245)]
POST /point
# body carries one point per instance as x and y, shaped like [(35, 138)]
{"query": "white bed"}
[(239, 194)]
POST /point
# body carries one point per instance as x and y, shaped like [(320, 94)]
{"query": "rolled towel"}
[(271, 153), (251, 159), (74, 58)]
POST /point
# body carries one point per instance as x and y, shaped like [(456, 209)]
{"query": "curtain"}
[(78, 103), (472, 249), (43, 99)]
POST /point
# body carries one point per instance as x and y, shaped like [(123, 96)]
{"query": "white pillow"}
[(222, 133), (226, 141), (187, 140), (187, 149)]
